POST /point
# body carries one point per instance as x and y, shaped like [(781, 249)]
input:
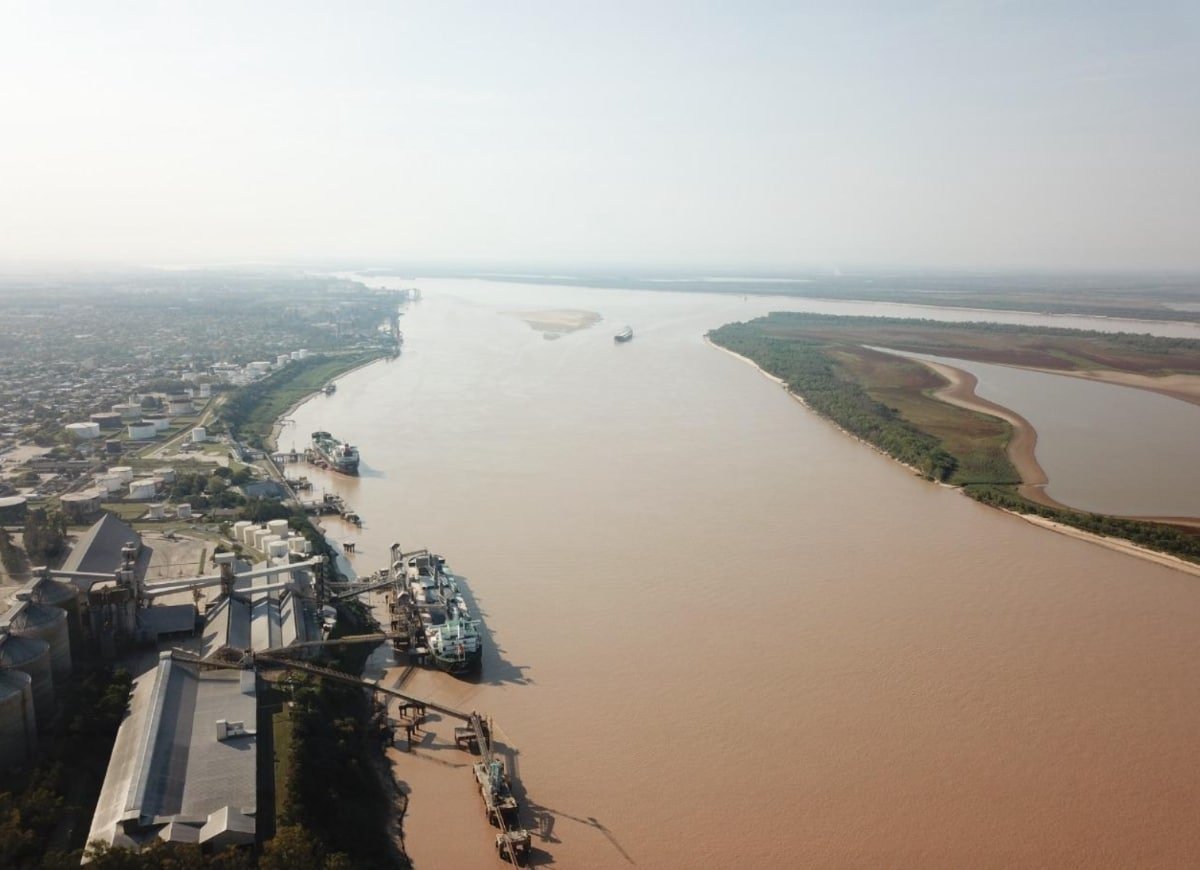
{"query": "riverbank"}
[(272, 439)]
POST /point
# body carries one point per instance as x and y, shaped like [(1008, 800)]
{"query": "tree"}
[(45, 535)]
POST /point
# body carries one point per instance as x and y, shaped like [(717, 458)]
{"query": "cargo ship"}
[(340, 455), (625, 334), (451, 637)]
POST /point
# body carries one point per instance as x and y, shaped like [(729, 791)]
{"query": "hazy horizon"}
[(987, 137)]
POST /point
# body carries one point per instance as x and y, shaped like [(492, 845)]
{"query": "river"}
[(722, 631)]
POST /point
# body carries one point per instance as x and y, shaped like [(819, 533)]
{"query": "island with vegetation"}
[(894, 403)]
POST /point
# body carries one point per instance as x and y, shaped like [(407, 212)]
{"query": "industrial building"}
[(184, 764)]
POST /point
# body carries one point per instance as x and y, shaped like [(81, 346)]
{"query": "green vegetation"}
[(251, 412), (886, 401), (10, 555), (45, 535), (46, 810), (333, 792)]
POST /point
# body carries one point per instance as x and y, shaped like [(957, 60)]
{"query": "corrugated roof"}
[(99, 550)]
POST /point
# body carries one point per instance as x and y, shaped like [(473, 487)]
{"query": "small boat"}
[(625, 334), (330, 389)]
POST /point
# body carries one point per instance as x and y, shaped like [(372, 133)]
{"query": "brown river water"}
[(723, 632)]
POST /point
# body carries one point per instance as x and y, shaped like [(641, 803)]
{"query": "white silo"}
[(282, 360), (45, 623), (239, 530), (179, 406), (278, 527), (31, 657), (184, 510), (142, 490), (60, 594), (84, 431), (123, 472), (161, 423), (109, 483), (128, 410), (261, 534), (278, 549), (18, 724), (199, 435), (156, 511)]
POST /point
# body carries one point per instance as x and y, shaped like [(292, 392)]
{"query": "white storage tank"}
[(278, 549), (31, 657), (49, 624), (199, 435), (166, 474), (142, 430), (80, 505), (123, 472), (109, 483), (300, 354), (282, 360), (278, 527), (239, 530), (128, 410), (18, 725), (142, 490), (184, 510), (260, 534), (179, 406), (161, 423), (84, 431), (156, 511)]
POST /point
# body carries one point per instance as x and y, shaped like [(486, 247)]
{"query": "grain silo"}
[(18, 724), (31, 657), (55, 593), (49, 624)]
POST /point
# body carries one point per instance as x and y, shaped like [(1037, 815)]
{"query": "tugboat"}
[(340, 455), (624, 335)]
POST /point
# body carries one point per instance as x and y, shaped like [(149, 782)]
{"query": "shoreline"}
[(272, 439), (1119, 545), (1182, 387)]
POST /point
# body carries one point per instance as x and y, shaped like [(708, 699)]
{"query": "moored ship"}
[(625, 334), (340, 455), (451, 637)]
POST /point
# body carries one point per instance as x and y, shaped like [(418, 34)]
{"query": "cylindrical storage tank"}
[(184, 510), (124, 472), (199, 435), (142, 490), (60, 594), (128, 410), (49, 624), (31, 657), (156, 511), (239, 530), (277, 548), (167, 474), (80, 505), (113, 447), (84, 431), (107, 420), (260, 534), (178, 407), (142, 431), (248, 534), (161, 424), (278, 527), (13, 509), (18, 725), (110, 483)]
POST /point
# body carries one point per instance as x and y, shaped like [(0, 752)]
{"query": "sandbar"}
[(1184, 387), (555, 323)]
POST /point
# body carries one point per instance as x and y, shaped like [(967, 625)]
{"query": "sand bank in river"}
[(555, 323), (1186, 388)]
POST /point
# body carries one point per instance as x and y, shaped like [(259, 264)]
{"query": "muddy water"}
[(1104, 448), (721, 630)]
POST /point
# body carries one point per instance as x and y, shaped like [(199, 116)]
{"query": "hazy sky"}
[(986, 134)]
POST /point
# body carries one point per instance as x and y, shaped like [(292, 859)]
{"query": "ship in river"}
[(452, 639), (340, 455), (625, 334)]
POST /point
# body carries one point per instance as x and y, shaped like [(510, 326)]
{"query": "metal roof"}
[(99, 550)]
